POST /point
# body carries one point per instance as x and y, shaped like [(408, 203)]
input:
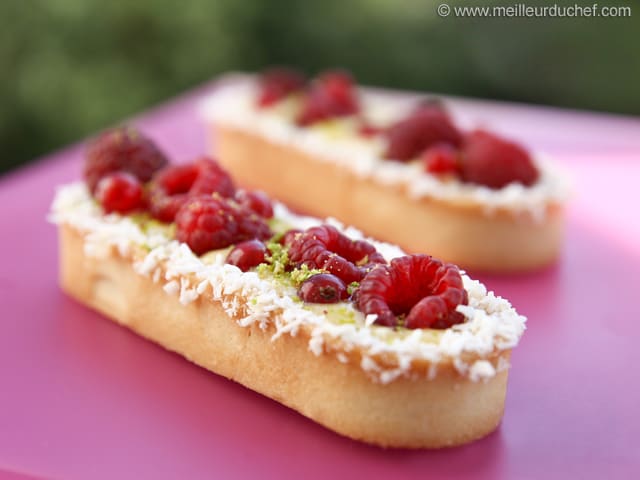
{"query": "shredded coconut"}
[(491, 323)]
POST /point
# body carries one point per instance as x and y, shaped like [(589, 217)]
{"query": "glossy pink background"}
[(83, 398)]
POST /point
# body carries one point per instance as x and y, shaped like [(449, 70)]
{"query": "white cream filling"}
[(492, 323), (233, 105)]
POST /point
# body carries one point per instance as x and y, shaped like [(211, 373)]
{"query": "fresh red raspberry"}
[(119, 192), (247, 254), (324, 247), (492, 161), (211, 222), (428, 125), (441, 158), (122, 149), (257, 201), (418, 288), (332, 94), (277, 83), (212, 178), (289, 235), (323, 288), (172, 186)]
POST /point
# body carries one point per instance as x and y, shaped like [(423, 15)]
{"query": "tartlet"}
[(333, 362)]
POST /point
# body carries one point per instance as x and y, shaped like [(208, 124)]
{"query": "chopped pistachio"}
[(302, 273)]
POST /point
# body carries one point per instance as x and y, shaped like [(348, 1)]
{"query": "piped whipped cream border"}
[(492, 323), (232, 104)]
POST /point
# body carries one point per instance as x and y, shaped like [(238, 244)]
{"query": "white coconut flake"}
[(172, 287), (491, 322), (370, 319), (481, 370)]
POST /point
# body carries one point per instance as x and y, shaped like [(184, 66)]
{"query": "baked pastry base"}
[(413, 413), (464, 234)]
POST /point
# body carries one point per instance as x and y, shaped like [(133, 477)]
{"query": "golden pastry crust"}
[(458, 232), (411, 412)]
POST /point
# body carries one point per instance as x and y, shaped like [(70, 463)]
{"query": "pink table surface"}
[(82, 398)]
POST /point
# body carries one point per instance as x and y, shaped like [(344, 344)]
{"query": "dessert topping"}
[(494, 162), (257, 201), (277, 83), (172, 186), (122, 149), (426, 126), (213, 222), (289, 235), (441, 159), (247, 254), (119, 192), (326, 248), (323, 288), (332, 94), (415, 291)]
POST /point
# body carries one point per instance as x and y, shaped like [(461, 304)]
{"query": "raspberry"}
[(278, 83), (211, 178), (441, 158), (420, 289), (289, 235), (122, 149), (119, 192), (172, 186), (324, 247), (212, 222), (256, 201), (426, 126), (495, 162), (332, 94), (247, 254), (322, 288)]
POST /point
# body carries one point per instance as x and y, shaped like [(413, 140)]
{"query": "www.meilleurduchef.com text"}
[(523, 10)]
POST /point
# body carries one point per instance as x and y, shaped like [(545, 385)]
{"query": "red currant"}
[(323, 288), (119, 192), (441, 158), (247, 255)]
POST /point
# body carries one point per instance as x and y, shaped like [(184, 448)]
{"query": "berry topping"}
[(426, 126), (278, 83), (172, 186), (256, 201), (122, 149), (332, 94), (119, 192), (211, 178), (247, 254), (289, 235), (325, 248), (212, 222), (366, 129), (416, 290), (322, 288), (441, 158), (495, 162)]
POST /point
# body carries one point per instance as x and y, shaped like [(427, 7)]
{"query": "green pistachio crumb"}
[(279, 258), (302, 273)]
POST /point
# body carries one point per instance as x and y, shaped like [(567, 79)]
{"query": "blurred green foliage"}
[(71, 67)]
